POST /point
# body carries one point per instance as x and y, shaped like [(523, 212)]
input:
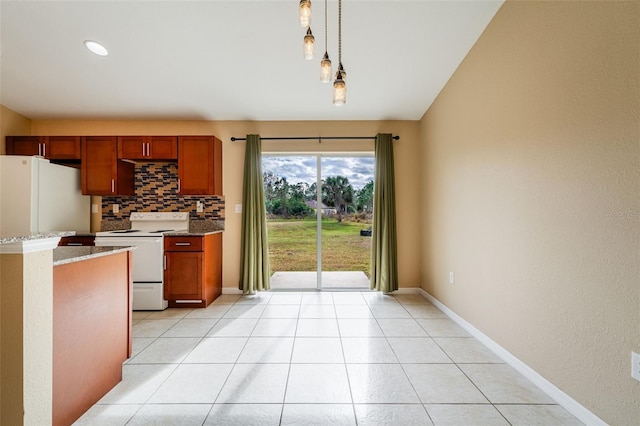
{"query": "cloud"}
[(359, 170)]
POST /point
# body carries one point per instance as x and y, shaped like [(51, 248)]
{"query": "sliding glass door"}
[(319, 239), (345, 239)]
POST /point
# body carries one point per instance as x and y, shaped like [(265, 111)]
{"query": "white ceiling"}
[(229, 60)]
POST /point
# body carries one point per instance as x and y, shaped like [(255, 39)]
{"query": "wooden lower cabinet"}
[(192, 270), (78, 240)]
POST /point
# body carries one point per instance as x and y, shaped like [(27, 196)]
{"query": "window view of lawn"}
[(293, 244)]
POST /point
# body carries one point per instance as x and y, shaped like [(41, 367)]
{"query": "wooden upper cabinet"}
[(147, 147), (102, 173), (199, 165), (23, 145), (51, 147)]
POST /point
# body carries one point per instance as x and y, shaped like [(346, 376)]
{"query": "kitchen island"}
[(66, 327), (91, 326)]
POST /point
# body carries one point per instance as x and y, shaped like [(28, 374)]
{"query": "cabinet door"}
[(163, 147), (23, 145), (183, 276), (147, 147), (196, 165), (102, 172), (99, 168), (132, 147), (62, 147)]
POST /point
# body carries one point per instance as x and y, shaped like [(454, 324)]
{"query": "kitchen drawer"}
[(183, 244), (77, 241)]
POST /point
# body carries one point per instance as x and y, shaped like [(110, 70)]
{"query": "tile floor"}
[(341, 358)]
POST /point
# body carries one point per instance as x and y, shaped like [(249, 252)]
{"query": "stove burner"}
[(125, 231), (161, 230)]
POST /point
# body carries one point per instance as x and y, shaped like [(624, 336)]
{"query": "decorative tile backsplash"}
[(156, 191)]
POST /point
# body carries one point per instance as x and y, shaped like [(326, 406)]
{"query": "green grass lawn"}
[(292, 245)]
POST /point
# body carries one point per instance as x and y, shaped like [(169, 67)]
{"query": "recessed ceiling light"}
[(96, 48)]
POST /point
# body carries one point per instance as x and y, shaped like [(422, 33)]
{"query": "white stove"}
[(146, 235)]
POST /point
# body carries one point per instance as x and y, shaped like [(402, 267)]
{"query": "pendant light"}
[(342, 71), (325, 63), (305, 13), (339, 91), (339, 85), (308, 45)]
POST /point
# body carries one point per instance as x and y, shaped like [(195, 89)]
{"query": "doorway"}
[(319, 239)]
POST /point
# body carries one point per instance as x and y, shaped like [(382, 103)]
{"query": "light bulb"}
[(339, 91), (308, 45), (305, 13), (325, 68)]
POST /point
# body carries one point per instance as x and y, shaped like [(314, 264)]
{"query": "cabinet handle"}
[(113, 185), (178, 186), (74, 244), (183, 244), (44, 150), (164, 262), (148, 149)]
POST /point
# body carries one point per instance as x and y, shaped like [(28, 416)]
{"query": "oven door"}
[(147, 257)]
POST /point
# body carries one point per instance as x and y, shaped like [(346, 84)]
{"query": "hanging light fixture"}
[(339, 85), (305, 13), (341, 71), (308, 45), (339, 90), (325, 63)]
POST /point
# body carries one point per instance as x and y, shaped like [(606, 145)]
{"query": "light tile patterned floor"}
[(341, 358)]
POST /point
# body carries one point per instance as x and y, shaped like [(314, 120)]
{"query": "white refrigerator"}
[(37, 196)]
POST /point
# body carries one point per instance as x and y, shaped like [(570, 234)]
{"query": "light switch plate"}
[(635, 365), (94, 208), (452, 278), (238, 208)]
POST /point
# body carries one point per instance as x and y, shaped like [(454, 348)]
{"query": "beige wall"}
[(531, 191), (406, 156), (11, 350), (12, 124), (26, 346)]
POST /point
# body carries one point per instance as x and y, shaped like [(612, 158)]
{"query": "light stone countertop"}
[(69, 254), (36, 236)]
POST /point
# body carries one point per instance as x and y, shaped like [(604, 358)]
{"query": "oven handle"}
[(120, 241)]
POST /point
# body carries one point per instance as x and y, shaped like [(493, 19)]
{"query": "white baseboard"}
[(564, 400), (231, 290)]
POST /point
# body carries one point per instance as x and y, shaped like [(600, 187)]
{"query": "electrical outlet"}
[(199, 208), (238, 208), (635, 365), (116, 208), (94, 208), (452, 278)]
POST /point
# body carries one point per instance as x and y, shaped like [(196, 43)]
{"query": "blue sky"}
[(359, 170)]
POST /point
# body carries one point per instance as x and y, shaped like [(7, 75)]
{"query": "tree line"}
[(287, 200)]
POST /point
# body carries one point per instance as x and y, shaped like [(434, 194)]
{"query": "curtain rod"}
[(318, 138)]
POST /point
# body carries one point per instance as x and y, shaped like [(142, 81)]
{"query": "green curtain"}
[(254, 258), (384, 254)]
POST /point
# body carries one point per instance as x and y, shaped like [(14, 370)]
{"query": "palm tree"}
[(364, 197), (337, 192)]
